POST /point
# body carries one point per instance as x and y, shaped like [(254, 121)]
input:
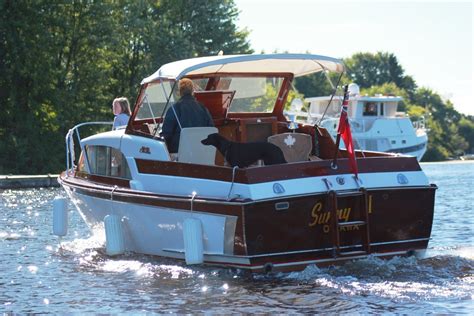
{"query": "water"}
[(39, 276)]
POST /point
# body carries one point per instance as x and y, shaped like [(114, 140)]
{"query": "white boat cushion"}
[(191, 150)]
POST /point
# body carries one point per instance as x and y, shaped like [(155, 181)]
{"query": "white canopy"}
[(297, 64)]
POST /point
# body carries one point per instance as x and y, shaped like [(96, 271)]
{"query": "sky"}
[(432, 40)]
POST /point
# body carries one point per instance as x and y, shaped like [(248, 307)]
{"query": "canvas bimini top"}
[(297, 64)]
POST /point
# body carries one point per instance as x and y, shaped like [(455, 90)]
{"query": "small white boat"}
[(311, 210), (375, 123)]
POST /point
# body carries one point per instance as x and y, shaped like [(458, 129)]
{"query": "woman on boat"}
[(121, 109), (187, 112)]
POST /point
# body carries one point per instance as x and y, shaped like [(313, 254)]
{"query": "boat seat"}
[(295, 146), (191, 150)]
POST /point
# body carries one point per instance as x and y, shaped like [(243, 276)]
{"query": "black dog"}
[(245, 154)]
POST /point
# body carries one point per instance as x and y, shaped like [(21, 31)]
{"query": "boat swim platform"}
[(28, 181)]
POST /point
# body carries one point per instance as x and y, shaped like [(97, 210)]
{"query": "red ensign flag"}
[(344, 130)]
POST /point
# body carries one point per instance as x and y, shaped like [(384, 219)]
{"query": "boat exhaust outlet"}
[(60, 216), (114, 239), (193, 243)]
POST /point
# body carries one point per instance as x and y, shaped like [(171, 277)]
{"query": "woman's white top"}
[(120, 120)]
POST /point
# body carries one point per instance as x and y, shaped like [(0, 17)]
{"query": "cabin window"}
[(381, 105), (370, 109), (107, 161), (253, 94)]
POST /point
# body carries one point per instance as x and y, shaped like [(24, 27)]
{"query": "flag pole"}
[(338, 137)]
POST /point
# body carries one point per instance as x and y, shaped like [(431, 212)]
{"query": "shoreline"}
[(28, 181)]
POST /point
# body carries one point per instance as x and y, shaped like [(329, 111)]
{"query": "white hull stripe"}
[(183, 188), (292, 187)]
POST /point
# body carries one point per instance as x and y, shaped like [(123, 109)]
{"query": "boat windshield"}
[(154, 98), (252, 94)]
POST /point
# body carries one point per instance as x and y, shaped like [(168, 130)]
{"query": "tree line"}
[(62, 63), (450, 134)]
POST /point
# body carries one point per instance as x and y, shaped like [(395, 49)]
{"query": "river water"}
[(41, 274)]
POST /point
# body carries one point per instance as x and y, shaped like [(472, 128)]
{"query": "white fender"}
[(193, 243), (60, 217), (114, 240)]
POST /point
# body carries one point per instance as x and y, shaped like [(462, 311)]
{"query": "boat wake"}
[(366, 285), (442, 276), (91, 255)]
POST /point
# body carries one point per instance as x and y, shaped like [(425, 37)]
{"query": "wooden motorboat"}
[(311, 210)]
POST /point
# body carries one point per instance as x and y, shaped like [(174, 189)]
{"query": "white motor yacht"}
[(375, 123)]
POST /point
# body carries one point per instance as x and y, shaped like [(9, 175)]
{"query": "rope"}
[(330, 100), (232, 184)]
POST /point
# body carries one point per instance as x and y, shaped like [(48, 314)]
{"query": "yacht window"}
[(394, 141), (404, 141), (370, 109), (107, 161), (253, 94), (381, 109)]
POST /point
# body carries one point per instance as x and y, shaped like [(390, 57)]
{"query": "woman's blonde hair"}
[(124, 105), (185, 86)]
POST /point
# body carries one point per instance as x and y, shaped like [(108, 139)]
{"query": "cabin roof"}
[(297, 64)]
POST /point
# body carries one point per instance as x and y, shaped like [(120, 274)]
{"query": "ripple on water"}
[(40, 273), (402, 279)]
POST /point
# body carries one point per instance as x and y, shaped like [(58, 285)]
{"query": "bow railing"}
[(70, 153)]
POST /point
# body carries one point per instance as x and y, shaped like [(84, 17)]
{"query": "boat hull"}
[(279, 234)]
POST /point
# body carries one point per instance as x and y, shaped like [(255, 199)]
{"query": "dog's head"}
[(212, 139)]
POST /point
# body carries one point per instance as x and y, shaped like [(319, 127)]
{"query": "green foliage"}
[(416, 112), (388, 88), (368, 70), (265, 103), (445, 138), (292, 95), (314, 85), (63, 63), (466, 128), (450, 133)]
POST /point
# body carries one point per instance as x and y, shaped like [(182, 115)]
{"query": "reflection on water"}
[(41, 274)]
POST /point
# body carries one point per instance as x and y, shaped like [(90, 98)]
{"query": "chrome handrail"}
[(70, 155)]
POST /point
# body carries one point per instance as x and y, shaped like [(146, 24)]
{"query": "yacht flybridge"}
[(194, 207)]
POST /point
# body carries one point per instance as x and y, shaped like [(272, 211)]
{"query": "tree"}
[(64, 63), (445, 139), (314, 85), (368, 70), (466, 129)]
